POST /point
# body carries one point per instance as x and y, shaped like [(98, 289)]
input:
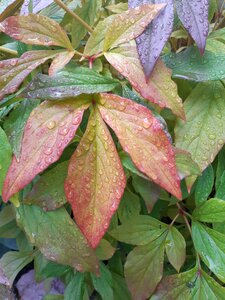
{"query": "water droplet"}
[(51, 124)]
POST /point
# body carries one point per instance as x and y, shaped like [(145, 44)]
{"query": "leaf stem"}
[(74, 15), (9, 51), (174, 220)]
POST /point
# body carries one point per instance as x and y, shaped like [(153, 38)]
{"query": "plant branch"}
[(74, 15)]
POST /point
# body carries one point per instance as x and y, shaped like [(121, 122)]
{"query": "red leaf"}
[(96, 180), (14, 71), (160, 89), (36, 30), (141, 136), (50, 128)]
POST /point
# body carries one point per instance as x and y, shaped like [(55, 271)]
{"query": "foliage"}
[(112, 159)]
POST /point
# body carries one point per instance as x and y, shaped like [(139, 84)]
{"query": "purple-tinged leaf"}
[(14, 71), (194, 16), (151, 42), (38, 5)]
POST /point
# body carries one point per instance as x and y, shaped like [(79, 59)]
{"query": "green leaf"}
[(76, 288), (140, 230), (105, 250), (120, 289), (210, 245), (13, 262), (57, 237), (5, 157), (220, 192), (117, 8), (9, 7), (15, 123), (204, 185), (129, 165), (190, 65), (211, 211), (8, 226), (88, 13), (130, 24), (144, 268), (48, 192), (69, 83), (220, 168), (191, 285), (103, 283), (203, 135), (148, 190), (185, 164), (129, 206), (54, 297), (175, 248)]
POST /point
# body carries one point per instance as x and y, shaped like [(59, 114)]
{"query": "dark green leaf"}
[(204, 185), (129, 206), (5, 157), (190, 65), (69, 83), (120, 288), (103, 283), (220, 193), (14, 124), (210, 245), (76, 288)]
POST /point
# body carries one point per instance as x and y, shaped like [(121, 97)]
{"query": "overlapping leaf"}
[(69, 83), (95, 181), (190, 285), (209, 244), (141, 136), (57, 237), (5, 156), (190, 65), (160, 89), (203, 135), (36, 30), (9, 7), (130, 24), (194, 16), (211, 211), (151, 42), (37, 5), (14, 71), (49, 130)]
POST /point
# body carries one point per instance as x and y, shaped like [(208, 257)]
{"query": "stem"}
[(74, 15), (9, 51), (174, 220)]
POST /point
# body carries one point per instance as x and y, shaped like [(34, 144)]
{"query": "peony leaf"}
[(95, 181), (152, 41), (50, 128), (142, 137), (160, 89), (14, 71), (130, 24), (37, 5), (36, 30), (60, 61), (194, 16), (69, 83), (9, 7)]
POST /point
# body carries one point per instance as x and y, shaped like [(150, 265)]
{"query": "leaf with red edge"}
[(152, 41), (36, 30), (96, 180), (142, 137), (130, 24), (38, 5), (49, 129), (14, 71), (160, 89), (194, 16)]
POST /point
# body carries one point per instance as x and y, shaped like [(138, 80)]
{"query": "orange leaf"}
[(50, 128), (96, 180), (160, 88), (142, 137)]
